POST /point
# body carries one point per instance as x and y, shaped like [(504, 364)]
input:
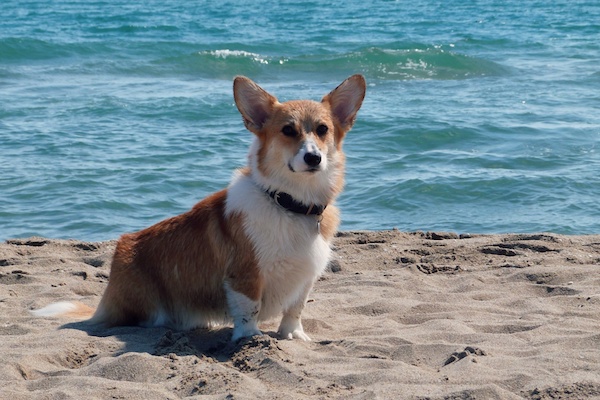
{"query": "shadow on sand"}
[(213, 343)]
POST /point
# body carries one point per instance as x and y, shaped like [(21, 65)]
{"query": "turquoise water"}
[(480, 116)]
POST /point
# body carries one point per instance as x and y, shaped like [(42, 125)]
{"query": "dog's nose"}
[(312, 159)]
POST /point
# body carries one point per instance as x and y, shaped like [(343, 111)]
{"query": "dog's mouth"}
[(310, 170)]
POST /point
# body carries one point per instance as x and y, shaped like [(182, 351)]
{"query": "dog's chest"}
[(290, 259), (286, 243), (288, 248)]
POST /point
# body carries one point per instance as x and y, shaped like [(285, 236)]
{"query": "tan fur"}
[(181, 262), (81, 311)]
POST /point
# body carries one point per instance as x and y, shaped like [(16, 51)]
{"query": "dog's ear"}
[(346, 99), (253, 102)]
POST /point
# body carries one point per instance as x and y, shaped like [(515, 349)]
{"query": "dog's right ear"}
[(253, 102)]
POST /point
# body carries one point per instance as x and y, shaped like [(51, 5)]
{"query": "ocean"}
[(480, 117)]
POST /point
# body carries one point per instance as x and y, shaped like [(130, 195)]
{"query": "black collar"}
[(287, 201)]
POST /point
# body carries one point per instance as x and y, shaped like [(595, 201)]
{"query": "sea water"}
[(480, 116)]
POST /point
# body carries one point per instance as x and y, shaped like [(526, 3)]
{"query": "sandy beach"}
[(420, 315)]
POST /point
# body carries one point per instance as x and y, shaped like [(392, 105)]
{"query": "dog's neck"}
[(286, 201)]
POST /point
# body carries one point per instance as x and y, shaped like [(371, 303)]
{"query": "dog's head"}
[(298, 143)]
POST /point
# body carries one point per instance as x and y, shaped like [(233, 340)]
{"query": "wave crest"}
[(405, 61), (379, 63)]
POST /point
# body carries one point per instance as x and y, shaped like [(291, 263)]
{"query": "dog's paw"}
[(244, 333), (297, 334), (291, 328)]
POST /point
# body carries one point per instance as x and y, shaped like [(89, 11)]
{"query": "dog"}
[(252, 251)]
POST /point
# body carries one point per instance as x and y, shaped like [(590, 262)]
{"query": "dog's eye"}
[(322, 130), (289, 130)]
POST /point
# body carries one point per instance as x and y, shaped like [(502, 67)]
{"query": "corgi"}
[(252, 251)]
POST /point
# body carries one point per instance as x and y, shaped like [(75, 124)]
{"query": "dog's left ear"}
[(346, 99), (253, 102)]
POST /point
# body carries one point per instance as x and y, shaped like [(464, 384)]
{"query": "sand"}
[(399, 315)]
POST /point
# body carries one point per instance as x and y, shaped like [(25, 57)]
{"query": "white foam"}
[(225, 53)]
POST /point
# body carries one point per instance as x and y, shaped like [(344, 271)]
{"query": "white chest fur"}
[(291, 253)]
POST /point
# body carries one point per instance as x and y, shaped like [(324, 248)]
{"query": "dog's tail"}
[(74, 310)]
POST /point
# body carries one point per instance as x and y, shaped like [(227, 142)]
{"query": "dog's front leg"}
[(291, 324), (244, 312)]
